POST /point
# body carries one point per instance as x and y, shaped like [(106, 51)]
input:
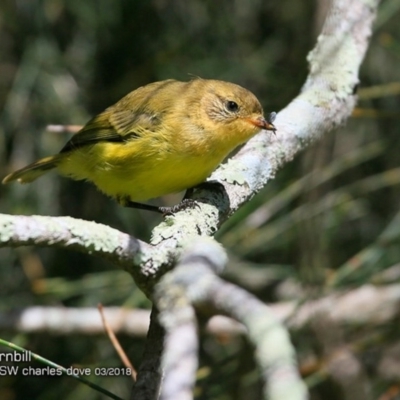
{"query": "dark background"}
[(62, 62)]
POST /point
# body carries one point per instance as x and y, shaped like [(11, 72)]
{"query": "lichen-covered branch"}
[(274, 353), (88, 237), (194, 281), (71, 233)]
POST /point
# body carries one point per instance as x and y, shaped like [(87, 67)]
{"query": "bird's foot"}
[(183, 205)]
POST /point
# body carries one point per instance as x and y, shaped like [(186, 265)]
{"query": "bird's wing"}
[(114, 126), (137, 114)]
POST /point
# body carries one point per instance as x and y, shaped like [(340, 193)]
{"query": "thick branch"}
[(74, 234), (88, 237)]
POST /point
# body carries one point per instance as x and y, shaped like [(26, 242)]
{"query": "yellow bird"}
[(161, 138)]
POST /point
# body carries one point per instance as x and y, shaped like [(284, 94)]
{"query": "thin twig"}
[(115, 342)]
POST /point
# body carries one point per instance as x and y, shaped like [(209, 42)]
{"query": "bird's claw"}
[(183, 205)]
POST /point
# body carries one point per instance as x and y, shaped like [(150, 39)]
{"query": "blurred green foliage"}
[(328, 220)]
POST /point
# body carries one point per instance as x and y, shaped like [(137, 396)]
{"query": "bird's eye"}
[(232, 106)]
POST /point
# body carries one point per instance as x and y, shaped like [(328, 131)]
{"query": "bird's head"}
[(233, 113)]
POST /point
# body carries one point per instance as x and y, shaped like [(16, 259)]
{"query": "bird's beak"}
[(262, 123)]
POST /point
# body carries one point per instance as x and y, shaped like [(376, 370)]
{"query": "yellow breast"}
[(138, 171)]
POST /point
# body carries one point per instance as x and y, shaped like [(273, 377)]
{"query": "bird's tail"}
[(33, 171)]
